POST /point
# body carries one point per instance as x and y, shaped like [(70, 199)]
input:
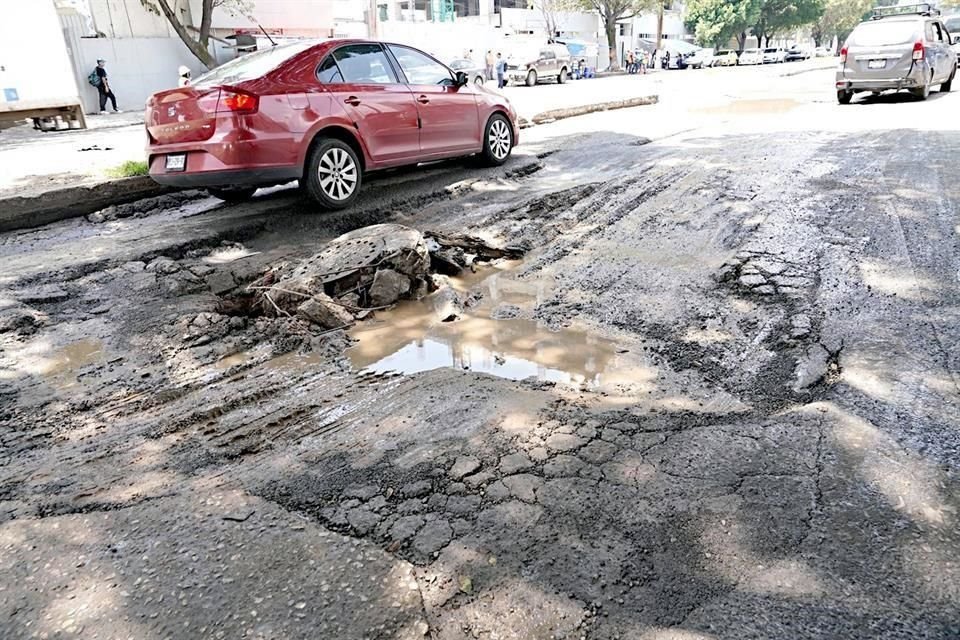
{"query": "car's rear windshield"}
[(252, 65), (881, 33)]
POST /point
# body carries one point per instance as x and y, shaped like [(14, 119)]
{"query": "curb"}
[(553, 115), (823, 67), (21, 212)]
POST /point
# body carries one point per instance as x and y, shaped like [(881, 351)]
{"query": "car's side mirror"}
[(462, 79)]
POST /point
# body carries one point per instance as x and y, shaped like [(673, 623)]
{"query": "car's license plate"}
[(876, 64), (177, 162)]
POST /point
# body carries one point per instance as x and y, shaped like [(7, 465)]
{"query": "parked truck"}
[(36, 77)]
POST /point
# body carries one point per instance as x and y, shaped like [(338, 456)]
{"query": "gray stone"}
[(478, 479), (446, 304), (323, 311), (523, 486), (539, 454), (455, 488), (362, 520), (416, 489), (437, 502), (587, 432), (625, 426), (464, 465), (406, 527), (514, 462), (163, 266), (412, 505), (564, 442), (433, 537), (563, 466), (221, 282), (598, 451), (811, 367), (364, 492), (463, 505), (388, 287), (497, 491)]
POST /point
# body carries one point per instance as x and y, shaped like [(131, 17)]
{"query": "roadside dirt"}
[(659, 420)]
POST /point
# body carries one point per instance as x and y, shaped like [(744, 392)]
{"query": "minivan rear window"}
[(252, 65), (880, 33)]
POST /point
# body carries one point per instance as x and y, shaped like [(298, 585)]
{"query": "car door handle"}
[(353, 100), (423, 99)]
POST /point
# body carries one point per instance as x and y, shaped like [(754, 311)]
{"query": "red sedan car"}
[(322, 113)]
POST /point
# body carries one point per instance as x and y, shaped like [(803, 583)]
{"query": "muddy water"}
[(767, 106), (409, 339)]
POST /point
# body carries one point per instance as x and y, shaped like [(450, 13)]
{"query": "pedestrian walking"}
[(104, 89), (501, 71), (490, 60), (185, 74)]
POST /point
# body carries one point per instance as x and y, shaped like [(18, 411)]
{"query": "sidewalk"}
[(33, 162)]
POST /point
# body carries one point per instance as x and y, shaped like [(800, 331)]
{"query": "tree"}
[(714, 22), (550, 9), (611, 12), (838, 19), (200, 45), (777, 16)]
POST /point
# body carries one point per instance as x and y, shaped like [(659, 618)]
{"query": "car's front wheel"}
[(232, 194), (497, 140), (333, 174), (844, 97), (531, 78), (562, 78), (478, 80)]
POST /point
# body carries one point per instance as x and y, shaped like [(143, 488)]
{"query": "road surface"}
[(719, 397)]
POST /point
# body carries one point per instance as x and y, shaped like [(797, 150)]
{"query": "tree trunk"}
[(659, 23), (201, 52), (205, 21), (741, 42), (610, 23)]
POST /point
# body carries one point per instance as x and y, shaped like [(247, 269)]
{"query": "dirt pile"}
[(369, 269)]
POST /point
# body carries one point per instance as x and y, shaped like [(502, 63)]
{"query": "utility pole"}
[(372, 17)]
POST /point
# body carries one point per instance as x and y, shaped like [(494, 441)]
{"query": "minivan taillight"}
[(918, 51), (843, 55)]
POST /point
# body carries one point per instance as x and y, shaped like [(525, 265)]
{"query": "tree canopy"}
[(714, 22), (839, 18)]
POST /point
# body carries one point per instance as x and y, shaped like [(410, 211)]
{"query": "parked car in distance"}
[(774, 55), (796, 52), (824, 52), (324, 113), (725, 58), (701, 58), (952, 23), (474, 73), (751, 56), (897, 50), (551, 62)]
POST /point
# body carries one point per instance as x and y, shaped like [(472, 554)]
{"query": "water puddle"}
[(409, 338), (72, 357), (763, 106), (224, 255)]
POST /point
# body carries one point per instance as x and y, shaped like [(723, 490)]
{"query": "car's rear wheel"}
[(531, 78), (922, 92), (333, 174), (497, 140), (562, 78), (844, 97), (232, 194)]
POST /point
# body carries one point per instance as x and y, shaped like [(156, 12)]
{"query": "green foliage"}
[(714, 22), (129, 169), (777, 16), (839, 18)]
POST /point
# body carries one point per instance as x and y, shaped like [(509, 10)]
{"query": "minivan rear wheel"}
[(922, 92), (333, 174), (497, 140), (946, 86), (531, 78), (844, 97)]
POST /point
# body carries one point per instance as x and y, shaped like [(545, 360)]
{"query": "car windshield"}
[(952, 24), (880, 33), (252, 65)]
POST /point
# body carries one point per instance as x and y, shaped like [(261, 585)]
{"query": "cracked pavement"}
[(756, 432)]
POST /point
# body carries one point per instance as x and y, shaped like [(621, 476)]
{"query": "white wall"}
[(310, 17), (128, 18)]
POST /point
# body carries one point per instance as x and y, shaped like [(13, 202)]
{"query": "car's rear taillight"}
[(843, 55), (918, 51), (225, 100)]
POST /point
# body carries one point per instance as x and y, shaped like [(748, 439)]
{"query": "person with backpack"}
[(98, 78)]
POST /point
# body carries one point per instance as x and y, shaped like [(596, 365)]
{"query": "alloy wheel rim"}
[(499, 139), (337, 173)]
